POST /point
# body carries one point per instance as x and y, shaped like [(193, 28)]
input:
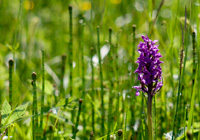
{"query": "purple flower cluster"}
[(149, 69)]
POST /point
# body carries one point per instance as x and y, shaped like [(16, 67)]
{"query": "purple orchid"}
[(149, 69)]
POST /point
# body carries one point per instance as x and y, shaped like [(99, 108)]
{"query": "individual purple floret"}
[(149, 69)]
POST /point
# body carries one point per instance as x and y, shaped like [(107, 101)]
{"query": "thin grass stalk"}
[(79, 45), (185, 109), (63, 57), (124, 115), (190, 121), (43, 88), (92, 93), (180, 71), (117, 83), (143, 126), (110, 76), (11, 63), (181, 114), (83, 75), (70, 61), (34, 77), (133, 82), (126, 119), (183, 101), (77, 120), (62, 92), (70, 51), (177, 105), (101, 81), (175, 10), (33, 124), (34, 109), (123, 101), (163, 111), (181, 78), (194, 56), (192, 103), (172, 73), (181, 52)]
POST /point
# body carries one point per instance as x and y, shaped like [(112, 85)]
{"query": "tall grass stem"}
[(117, 82), (62, 92), (34, 109), (43, 89), (101, 82), (83, 74), (77, 119), (92, 92), (11, 64), (110, 76), (181, 78), (149, 117), (133, 80), (70, 51)]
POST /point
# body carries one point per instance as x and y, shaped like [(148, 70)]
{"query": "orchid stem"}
[(149, 118)]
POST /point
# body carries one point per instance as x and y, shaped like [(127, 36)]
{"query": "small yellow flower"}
[(116, 1), (28, 5), (85, 6)]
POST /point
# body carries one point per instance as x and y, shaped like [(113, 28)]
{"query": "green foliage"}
[(10, 116), (69, 69)]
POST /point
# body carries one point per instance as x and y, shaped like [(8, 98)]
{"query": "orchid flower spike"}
[(149, 69)]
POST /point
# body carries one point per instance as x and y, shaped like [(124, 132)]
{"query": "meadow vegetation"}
[(67, 69)]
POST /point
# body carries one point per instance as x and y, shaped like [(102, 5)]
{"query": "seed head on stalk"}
[(149, 69)]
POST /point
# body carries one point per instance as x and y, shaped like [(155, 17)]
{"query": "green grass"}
[(78, 64)]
